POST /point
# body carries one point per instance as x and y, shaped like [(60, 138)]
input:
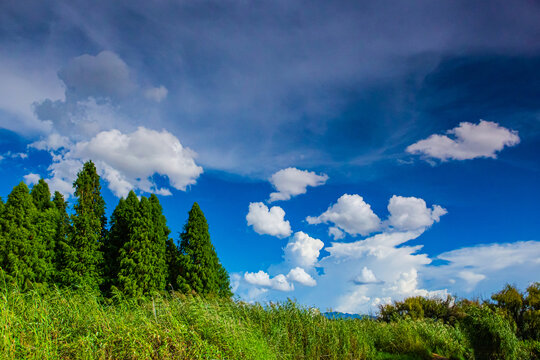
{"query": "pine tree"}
[(200, 269), (26, 256), (119, 234), (81, 259)]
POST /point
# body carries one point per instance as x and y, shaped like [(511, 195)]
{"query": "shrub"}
[(490, 334)]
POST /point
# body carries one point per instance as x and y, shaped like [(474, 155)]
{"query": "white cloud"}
[(31, 179), (53, 141), (366, 277), (299, 275), (24, 83), (261, 278), (270, 222), (410, 213), (484, 268), (128, 161), (336, 233), (103, 75), (291, 182), (302, 250), (470, 141), (350, 214), (157, 94)]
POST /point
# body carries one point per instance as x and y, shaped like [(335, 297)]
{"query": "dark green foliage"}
[(119, 234), (62, 222), (200, 269), (142, 257), (490, 334), (41, 196), (172, 259), (531, 314), (448, 310), (27, 244), (81, 259)]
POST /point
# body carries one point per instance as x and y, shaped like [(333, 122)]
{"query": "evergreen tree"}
[(62, 227), (41, 196), (1, 207), (26, 255), (159, 241), (139, 257), (81, 259), (119, 234), (172, 259), (200, 269)]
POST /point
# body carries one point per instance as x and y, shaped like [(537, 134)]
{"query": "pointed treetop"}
[(41, 195)]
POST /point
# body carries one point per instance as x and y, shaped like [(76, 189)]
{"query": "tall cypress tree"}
[(142, 257), (119, 234), (62, 227), (25, 256), (81, 259), (159, 243), (172, 260), (46, 222), (41, 196), (200, 269)]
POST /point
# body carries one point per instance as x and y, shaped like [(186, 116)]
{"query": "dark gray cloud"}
[(103, 75), (256, 85)]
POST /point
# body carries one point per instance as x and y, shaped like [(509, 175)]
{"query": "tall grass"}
[(61, 324)]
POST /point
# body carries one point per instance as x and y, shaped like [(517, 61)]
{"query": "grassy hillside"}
[(62, 324)]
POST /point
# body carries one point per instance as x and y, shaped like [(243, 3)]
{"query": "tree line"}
[(42, 244)]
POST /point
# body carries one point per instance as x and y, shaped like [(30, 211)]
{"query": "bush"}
[(490, 334)]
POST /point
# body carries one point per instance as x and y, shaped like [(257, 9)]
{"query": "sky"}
[(346, 154)]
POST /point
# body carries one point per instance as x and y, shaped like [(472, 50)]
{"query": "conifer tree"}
[(41, 196), (26, 256), (159, 241), (200, 269), (142, 267), (62, 226), (119, 234), (81, 259), (172, 259)]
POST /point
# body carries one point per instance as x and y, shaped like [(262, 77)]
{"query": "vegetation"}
[(71, 288), (41, 245)]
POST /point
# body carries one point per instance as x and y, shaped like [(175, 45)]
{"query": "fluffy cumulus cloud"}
[(262, 279), (128, 161), (302, 250), (410, 213), (268, 221), (300, 276), (350, 214), (467, 141), (291, 182)]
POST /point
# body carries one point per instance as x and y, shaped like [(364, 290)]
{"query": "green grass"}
[(61, 324)]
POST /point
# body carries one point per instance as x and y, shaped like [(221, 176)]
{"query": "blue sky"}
[(400, 141)]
